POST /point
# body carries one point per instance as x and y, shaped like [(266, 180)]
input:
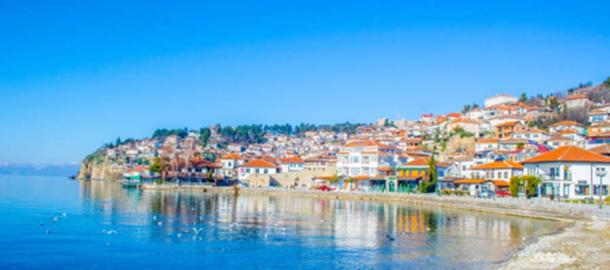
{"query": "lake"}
[(57, 223)]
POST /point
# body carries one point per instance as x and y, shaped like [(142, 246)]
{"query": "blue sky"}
[(77, 74)]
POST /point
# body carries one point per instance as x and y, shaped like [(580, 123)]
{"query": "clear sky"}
[(77, 74)]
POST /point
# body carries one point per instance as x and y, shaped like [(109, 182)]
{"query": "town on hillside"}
[(554, 146)]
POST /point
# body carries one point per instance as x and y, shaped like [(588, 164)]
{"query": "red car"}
[(325, 188), (502, 194)]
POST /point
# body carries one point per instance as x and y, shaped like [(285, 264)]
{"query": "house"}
[(292, 164), (229, 163), (498, 170), (603, 149), (566, 125), (533, 134), (558, 141), (500, 99), (409, 175), (598, 116), (485, 144), (506, 129), (364, 158), (577, 101), (321, 163), (494, 176), (598, 133), (570, 172), (256, 167), (467, 125)]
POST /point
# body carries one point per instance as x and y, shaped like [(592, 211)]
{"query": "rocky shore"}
[(584, 245)]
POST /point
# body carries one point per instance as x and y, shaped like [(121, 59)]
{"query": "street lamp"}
[(601, 173)]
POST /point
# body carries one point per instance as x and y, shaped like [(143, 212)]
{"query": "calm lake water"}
[(56, 223)]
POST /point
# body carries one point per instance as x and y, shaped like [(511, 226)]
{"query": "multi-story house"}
[(570, 172), (292, 164), (566, 125), (364, 158), (229, 164)]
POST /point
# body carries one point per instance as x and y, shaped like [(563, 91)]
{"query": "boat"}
[(131, 180)]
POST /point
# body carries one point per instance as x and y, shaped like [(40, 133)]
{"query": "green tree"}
[(525, 183), (157, 166), (607, 83), (523, 98), (118, 141), (204, 136), (515, 184)]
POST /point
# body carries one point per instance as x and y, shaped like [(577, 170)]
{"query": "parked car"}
[(502, 194), (325, 188)]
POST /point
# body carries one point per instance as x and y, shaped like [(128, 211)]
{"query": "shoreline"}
[(535, 209), (582, 242)]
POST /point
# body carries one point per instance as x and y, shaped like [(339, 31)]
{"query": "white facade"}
[(500, 99), (245, 172), (571, 180), (364, 158)]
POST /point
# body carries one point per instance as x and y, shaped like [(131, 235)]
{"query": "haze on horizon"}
[(75, 75)]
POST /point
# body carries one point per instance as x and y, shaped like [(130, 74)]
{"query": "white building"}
[(292, 164), (500, 99), (229, 164), (570, 172), (256, 167), (365, 158)]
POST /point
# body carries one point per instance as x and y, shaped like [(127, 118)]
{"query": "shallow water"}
[(55, 223)]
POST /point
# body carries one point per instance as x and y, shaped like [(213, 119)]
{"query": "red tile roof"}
[(293, 159), (569, 154), (505, 164), (258, 163)]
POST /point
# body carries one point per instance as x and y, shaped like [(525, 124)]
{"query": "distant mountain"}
[(66, 170)]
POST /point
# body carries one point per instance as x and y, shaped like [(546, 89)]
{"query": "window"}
[(603, 189), (265, 171), (248, 170), (256, 170), (505, 175), (554, 173), (581, 188)]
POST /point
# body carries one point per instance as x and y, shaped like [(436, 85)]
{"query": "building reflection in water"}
[(412, 232)]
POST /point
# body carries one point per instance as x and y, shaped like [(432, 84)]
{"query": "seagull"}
[(64, 214), (389, 237), (197, 230), (48, 231)]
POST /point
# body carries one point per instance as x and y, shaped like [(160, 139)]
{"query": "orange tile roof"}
[(602, 149), (293, 159), (258, 163), (385, 168), (569, 154), (417, 163), (505, 164), (566, 123), (487, 140), (469, 181), (231, 156), (361, 143), (577, 96), (508, 123), (501, 183)]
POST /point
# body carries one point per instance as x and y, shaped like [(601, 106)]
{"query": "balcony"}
[(549, 178)]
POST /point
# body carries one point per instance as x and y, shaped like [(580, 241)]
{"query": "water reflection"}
[(379, 232)]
